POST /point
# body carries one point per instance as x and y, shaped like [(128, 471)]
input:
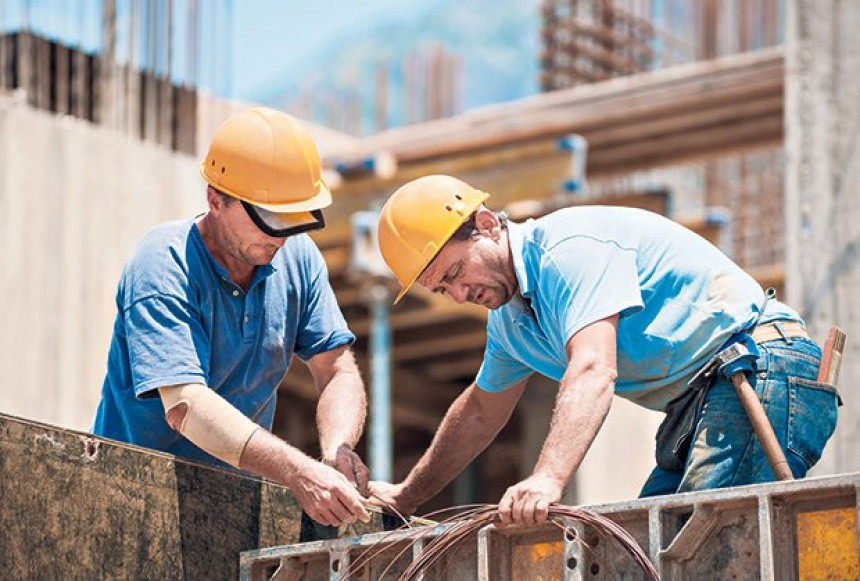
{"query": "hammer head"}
[(739, 356)]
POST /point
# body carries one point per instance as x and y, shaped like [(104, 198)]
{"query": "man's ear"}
[(215, 201), (488, 223)]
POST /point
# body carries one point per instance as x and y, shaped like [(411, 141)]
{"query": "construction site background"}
[(93, 157)]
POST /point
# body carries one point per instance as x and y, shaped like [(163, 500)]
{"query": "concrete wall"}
[(822, 115), (74, 201)]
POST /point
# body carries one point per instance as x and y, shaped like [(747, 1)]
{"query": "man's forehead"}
[(435, 270)]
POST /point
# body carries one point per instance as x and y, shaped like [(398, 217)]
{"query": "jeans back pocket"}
[(812, 414)]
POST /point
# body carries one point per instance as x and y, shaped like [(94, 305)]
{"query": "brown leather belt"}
[(778, 330)]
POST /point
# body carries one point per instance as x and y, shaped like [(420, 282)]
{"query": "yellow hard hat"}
[(418, 219), (266, 158)]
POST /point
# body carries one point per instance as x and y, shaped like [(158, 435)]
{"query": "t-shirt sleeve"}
[(585, 280), (167, 345), (322, 326), (499, 371)]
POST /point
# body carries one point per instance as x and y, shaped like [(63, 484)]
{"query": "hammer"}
[(734, 362)]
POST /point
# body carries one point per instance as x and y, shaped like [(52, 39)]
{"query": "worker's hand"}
[(347, 462), (326, 495), (527, 502), (390, 496)]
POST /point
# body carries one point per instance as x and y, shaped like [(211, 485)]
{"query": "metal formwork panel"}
[(79, 508), (804, 529)]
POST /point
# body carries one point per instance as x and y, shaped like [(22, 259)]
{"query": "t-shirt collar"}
[(517, 234)]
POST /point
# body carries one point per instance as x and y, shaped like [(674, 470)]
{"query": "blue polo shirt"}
[(181, 320), (679, 298)]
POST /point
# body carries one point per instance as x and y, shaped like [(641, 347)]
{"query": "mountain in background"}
[(458, 55)]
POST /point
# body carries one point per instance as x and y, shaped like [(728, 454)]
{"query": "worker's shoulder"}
[(162, 259), (163, 240), (166, 233), (615, 224), (594, 217)]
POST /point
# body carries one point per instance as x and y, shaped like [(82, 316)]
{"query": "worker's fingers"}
[(343, 464), (350, 500), (362, 478), (505, 509), (382, 494), (527, 513), (517, 509), (348, 463), (321, 514), (541, 511), (342, 513)]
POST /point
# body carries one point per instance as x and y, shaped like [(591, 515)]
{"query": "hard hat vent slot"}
[(222, 169), (448, 207)]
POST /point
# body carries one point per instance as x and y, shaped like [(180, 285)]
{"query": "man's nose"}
[(459, 293)]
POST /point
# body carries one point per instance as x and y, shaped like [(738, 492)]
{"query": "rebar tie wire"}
[(467, 520)]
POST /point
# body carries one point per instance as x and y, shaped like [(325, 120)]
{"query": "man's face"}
[(479, 270), (242, 239)]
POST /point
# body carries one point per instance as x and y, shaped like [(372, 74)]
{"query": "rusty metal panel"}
[(747, 532), (538, 561), (827, 545), (77, 507)]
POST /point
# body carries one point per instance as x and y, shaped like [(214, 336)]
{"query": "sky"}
[(271, 36)]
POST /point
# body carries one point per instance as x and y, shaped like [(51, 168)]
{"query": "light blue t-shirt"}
[(679, 299), (181, 320)]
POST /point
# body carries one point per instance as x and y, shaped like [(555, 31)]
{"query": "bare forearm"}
[(341, 411), (322, 491), (581, 407), (464, 433), (267, 455)]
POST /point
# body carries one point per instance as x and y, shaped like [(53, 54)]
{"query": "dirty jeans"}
[(725, 450)]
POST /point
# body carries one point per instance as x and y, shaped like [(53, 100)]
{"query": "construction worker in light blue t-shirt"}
[(607, 301), (210, 312)]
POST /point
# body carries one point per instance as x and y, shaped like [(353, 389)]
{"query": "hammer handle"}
[(761, 426)]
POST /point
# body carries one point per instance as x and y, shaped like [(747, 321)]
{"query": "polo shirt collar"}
[(260, 273), (517, 235)]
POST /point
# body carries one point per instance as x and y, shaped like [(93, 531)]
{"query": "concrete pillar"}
[(822, 130)]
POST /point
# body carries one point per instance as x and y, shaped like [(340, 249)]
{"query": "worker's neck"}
[(239, 271)]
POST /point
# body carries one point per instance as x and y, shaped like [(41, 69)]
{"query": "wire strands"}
[(470, 519)]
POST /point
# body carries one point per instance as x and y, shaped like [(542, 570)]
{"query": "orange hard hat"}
[(418, 219), (266, 158)]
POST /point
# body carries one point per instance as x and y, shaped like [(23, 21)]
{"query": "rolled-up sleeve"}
[(322, 326), (499, 371), (167, 345)]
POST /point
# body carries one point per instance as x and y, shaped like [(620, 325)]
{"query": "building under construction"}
[(737, 119)]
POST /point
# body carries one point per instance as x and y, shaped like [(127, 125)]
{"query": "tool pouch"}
[(675, 434)]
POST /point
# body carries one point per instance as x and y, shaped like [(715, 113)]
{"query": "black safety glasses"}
[(281, 225)]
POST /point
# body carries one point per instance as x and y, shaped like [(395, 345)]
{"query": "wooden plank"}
[(696, 86), (80, 507)]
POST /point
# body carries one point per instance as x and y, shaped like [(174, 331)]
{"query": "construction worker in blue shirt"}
[(607, 301), (210, 312)]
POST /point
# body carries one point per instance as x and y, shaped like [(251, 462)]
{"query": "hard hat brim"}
[(321, 198)]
